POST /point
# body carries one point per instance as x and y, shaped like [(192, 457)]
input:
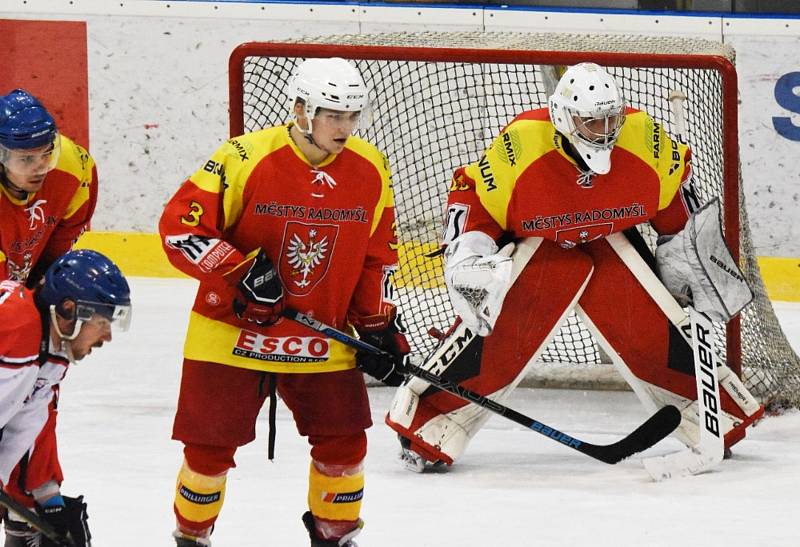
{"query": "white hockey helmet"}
[(334, 84), (587, 107)]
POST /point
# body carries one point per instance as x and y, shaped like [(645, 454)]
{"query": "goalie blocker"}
[(600, 281)]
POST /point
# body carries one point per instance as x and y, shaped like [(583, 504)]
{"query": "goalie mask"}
[(588, 109), (333, 84)]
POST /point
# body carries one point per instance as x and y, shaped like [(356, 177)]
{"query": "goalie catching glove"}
[(697, 268), (385, 334), (478, 277), (259, 297)]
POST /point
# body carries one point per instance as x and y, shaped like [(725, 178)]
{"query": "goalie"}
[(544, 224)]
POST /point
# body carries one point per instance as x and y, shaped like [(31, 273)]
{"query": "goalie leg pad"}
[(439, 424), (732, 427), (443, 437), (657, 362)]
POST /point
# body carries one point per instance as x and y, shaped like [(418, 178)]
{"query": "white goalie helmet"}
[(334, 84), (587, 107)]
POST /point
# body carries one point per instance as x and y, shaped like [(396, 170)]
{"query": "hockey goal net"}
[(439, 99)]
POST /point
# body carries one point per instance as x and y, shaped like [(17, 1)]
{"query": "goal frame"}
[(720, 64)]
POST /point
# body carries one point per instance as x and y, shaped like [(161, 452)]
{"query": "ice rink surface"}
[(512, 487)]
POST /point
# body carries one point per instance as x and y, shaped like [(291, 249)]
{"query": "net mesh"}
[(432, 116)]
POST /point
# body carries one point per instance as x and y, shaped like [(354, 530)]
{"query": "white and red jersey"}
[(26, 383), (329, 230), (527, 185), (38, 229)]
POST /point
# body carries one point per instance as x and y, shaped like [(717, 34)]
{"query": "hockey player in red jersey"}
[(48, 190), (297, 216), (71, 312), (568, 184)]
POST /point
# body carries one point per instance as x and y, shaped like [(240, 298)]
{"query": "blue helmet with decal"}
[(93, 282), (24, 122)]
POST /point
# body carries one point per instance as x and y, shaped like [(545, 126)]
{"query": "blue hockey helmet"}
[(93, 282), (24, 122)]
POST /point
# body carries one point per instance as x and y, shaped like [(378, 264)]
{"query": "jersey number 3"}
[(193, 217)]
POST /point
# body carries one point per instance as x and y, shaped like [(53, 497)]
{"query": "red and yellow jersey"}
[(328, 229), (38, 229), (527, 185)]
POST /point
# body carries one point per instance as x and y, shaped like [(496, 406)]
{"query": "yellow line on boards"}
[(135, 253), (140, 254)]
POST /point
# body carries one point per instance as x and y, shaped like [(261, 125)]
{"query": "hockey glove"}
[(69, 519), (478, 277), (389, 367), (259, 296)]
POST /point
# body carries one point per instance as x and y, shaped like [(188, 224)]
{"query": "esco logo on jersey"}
[(306, 253), (285, 349)]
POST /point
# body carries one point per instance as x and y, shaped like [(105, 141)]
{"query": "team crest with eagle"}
[(305, 255)]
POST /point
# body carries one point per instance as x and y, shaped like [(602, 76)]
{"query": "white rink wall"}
[(158, 86)]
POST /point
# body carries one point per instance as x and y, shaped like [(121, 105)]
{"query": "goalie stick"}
[(657, 426), (711, 448), (35, 521)]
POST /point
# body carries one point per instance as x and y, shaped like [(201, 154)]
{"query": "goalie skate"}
[(413, 461)]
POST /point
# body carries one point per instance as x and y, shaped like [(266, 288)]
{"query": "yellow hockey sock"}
[(198, 497), (335, 498)]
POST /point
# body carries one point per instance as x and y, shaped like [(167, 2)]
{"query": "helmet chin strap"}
[(307, 133), (64, 339)]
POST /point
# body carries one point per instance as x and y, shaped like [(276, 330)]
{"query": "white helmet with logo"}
[(588, 109), (334, 84)]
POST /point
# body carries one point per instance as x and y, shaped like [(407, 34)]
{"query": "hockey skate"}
[(182, 540), (316, 541)]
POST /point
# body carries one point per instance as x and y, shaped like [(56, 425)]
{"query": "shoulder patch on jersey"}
[(512, 147), (236, 158), (524, 141), (254, 146)]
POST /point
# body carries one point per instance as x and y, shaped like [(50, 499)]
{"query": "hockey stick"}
[(711, 449), (658, 426), (35, 521)]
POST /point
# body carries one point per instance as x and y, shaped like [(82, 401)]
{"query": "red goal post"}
[(439, 98)]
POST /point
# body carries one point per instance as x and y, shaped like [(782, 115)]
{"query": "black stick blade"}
[(657, 426)]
